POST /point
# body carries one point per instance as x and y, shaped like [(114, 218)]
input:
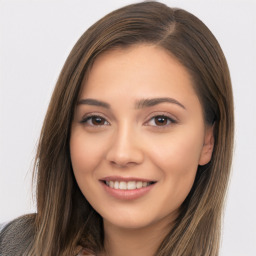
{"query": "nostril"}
[(122, 164)]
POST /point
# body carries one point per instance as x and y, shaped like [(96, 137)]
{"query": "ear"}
[(206, 153)]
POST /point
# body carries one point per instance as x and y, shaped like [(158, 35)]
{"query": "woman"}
[(135, 151)]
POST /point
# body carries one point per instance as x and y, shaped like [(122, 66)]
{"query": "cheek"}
[(177, 158), (85, 155), (180, 151)]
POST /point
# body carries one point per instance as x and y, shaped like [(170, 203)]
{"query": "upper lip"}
[(120, 178)]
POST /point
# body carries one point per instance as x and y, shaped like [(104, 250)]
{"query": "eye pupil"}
[(97, 120), (161, 120)]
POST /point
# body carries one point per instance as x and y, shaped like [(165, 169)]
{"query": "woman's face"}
[(138, 136)]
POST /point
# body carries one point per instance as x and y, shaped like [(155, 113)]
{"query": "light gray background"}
[(36, 37)]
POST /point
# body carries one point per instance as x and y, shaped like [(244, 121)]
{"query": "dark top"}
[(17, 236)]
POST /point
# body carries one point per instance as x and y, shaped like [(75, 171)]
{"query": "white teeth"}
[(116, 185), (131, 185), (127, 185), (111, 184), (122, 185), (144, 184), (139, 184)]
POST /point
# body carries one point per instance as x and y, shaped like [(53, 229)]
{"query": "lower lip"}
[(127, 194)]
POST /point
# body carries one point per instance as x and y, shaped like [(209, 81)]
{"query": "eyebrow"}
[(94, 102), (143, 103), (155, 101)]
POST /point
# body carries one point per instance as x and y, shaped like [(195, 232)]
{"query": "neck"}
[(140, 241)]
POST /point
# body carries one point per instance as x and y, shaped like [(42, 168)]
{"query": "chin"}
[(138, 221), (128, 223)]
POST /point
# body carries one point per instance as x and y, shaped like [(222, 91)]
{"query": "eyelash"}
[(165, 117), (89, 118)]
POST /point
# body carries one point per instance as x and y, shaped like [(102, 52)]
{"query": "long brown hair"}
[(64, 218)]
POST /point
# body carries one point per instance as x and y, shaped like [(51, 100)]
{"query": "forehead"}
[(143, 69)]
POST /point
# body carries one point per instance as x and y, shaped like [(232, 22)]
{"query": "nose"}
[(125, 149)]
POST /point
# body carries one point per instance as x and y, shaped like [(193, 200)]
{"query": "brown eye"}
[(95, 121), (161, 120)]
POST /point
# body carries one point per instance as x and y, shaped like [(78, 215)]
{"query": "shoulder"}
[(2, 225), (16, 237)]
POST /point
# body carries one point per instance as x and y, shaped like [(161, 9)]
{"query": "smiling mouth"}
[(129, 185)]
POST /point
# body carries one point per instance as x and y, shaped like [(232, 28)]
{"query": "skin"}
[(129, 141)]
